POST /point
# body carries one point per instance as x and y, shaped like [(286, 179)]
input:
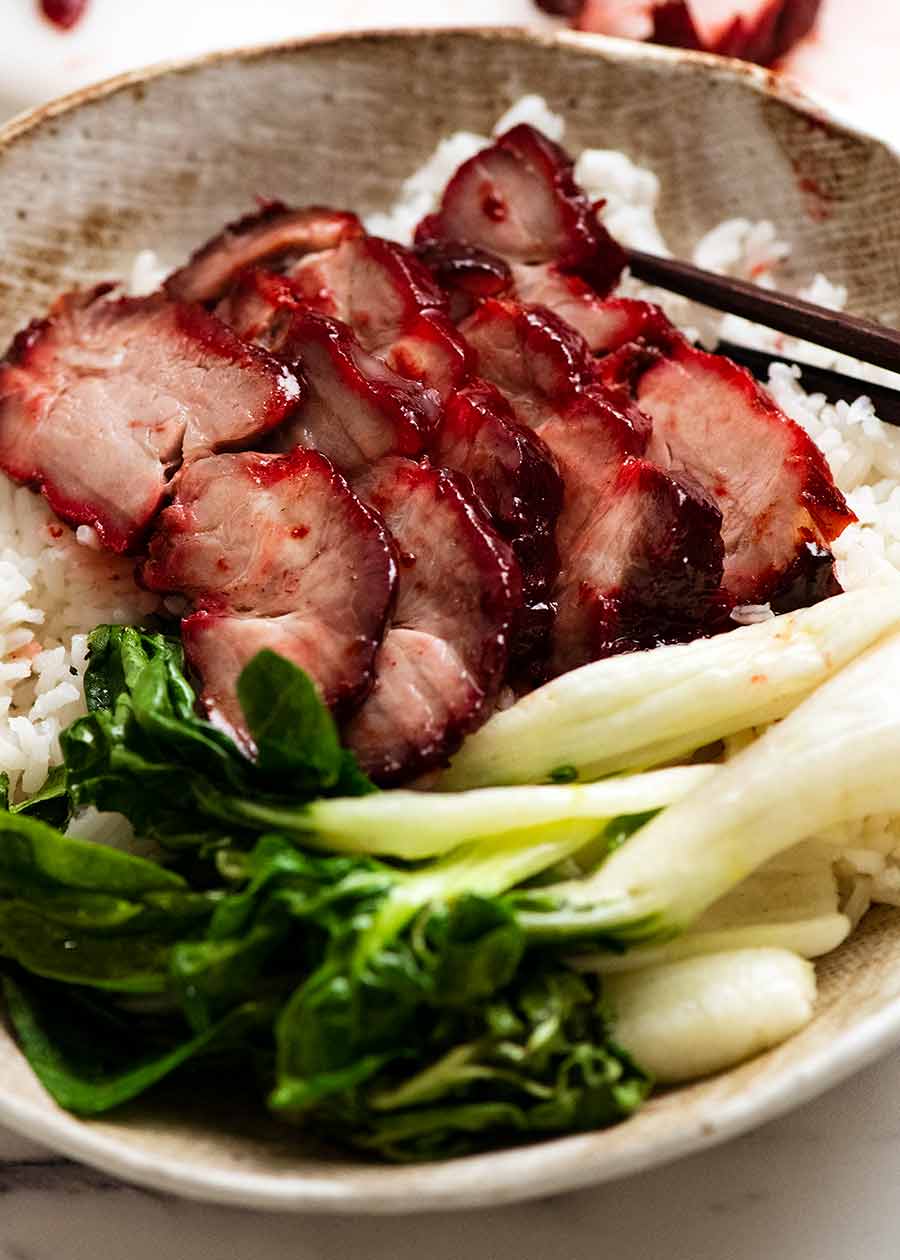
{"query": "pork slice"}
[(100, 401), (273, 551), (258, 306), (373, 285), (519, 199), (445, 652), (275, 234), (358, 410), (604, 323), (780, 507), (589, 441), (465, 274), (432, 352), (641, 551), (537, 360), (391, 303), (515, 478)]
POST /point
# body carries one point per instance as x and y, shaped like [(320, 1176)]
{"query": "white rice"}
[(55, 585), (54, 588)]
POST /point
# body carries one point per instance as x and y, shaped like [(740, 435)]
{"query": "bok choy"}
[(393, 970), (646, 708), (832, 760)]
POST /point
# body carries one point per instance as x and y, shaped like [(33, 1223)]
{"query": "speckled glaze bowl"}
[(162, 159)]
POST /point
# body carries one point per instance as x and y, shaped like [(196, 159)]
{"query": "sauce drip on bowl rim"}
[(63, 13)]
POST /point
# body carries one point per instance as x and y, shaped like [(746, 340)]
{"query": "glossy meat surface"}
[(274, 551), (604, 323), (535, 359), (518, 199), (393, 306), (515, 477), (358, 410), (768, 478), (100, 401), (445, 652), (276, 234), (641, 551)]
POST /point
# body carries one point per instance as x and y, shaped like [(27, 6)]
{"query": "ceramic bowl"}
[(163, 158)]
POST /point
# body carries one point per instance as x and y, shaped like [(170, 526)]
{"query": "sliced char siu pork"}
[(604, 323), (515, 477), (445, 652), (535, 359), (274, 551), (780, 507), (276, 235), (358, 410), (386, 296), (518, 199), (100, 401), (383, 292), (554, 253), (466, 274), (373, 285), (393, 306), (642, 551)]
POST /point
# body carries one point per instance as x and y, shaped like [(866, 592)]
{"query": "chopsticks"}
[(817, 380), (860, 338)]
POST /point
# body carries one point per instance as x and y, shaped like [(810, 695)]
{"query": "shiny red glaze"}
[(100, 401), (445, 653), (373, 285), (538, 361), (641, 551), (553, 220), (358, 410), (274, 551), (515, 478), (604, 323), (276, 235), (431, 351), (466, 274), (770, 481)]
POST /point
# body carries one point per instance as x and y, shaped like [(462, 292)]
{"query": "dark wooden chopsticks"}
[(816, 380), (860, 338)]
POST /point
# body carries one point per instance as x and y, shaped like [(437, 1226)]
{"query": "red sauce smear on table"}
[(63, 13)]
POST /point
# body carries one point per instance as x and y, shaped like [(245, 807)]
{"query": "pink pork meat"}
[(277, 235), (100, 401), (274, 551)]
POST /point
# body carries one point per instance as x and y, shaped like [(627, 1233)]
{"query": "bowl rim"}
[(760, 79), (517, 1173)]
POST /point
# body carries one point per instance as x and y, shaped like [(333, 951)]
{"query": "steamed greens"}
[(830, 761), (423, 974), (646, 708), (392, 1005)]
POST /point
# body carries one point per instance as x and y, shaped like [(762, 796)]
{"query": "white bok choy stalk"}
[(646, 708), (790, 903), (560, 823), (833, 759), (415, 825), (701, 1015)]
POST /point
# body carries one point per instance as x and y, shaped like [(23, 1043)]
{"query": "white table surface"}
[(820, 1184)]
